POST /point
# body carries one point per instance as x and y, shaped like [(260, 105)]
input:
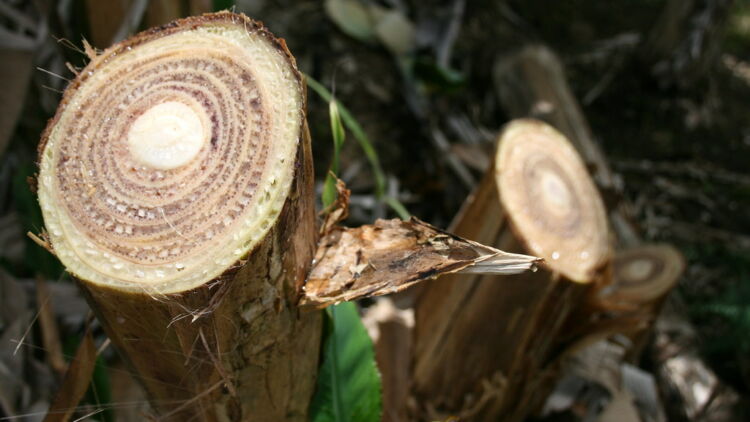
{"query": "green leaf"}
[(337, 130), (348, 382), (398, 207), (357, 131), (436, 77), (329, 191)]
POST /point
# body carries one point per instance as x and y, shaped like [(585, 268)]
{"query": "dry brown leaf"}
[(339, 210), (14, 320), (76, 381), (48, 325), (391, 255), (125, 389)]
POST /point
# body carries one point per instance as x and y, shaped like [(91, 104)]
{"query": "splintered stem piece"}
[(392, 255), (176, 185)]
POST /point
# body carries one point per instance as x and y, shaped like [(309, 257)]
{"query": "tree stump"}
[(643, 277), (531, 82), (481, 346), (176, 185)]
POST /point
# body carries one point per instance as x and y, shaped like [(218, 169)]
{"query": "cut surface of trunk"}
[(643, 277), (531, 82), (481, 344), (176, 186)]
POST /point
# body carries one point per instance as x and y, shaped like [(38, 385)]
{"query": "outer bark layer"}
[(482, 345), (212, 244)]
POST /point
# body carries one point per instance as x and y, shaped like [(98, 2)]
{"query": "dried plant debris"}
[(75, 382), (391, 255), (14, 321), (599, 386), (338, 211)]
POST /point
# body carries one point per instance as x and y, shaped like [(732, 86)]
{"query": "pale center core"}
[(166, 136), (639, 269), (555, 192)]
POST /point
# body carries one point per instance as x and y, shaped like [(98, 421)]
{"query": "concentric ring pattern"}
[(551, 199), (172, 156), (646, 272)]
